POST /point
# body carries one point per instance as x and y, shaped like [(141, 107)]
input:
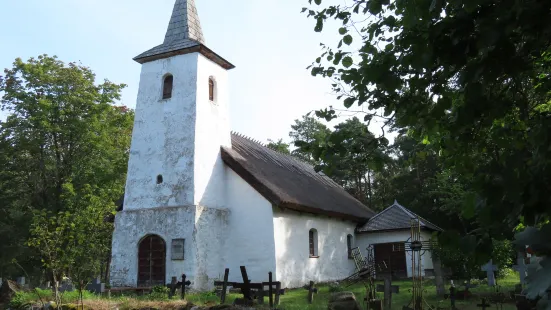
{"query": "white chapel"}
[(200, 198)]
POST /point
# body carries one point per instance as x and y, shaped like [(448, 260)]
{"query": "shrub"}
[(335, 287), (159, 293)]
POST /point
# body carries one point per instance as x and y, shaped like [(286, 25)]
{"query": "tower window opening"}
[(167, 86), (211, 89)]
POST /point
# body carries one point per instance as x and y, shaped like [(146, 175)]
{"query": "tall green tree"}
[(64, 150), (279, 146), (305, 133), (470, 78)]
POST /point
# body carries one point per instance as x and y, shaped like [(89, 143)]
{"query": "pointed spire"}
[(184, 24), (183, 35)]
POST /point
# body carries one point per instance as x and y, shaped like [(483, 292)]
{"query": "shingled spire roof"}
[(183, 35), (184, 24)]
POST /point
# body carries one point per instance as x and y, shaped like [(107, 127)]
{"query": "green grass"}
[(297, 298)]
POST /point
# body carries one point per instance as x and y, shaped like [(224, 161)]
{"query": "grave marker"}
[(311, 291), (388, 289), (490, 268), (184, 284), (452, 296), (483, 305), (520, 267), (96, 286)]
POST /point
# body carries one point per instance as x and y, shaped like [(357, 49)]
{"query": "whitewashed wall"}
[(250, 238), (163, 136), (294, 266), (363, 240), (212, 130)]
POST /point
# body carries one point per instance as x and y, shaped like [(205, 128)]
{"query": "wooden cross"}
[(224, 285), (490, 268), (388, 289), (246, 288), (483, 305), (311, 291), (270, 290), (521, 268)]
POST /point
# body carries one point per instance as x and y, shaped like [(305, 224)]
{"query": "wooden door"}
[(151, 261), (391, 258)]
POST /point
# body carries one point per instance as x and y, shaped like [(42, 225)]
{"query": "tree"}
[(305, 133), (279, 146), (64, 157), (469, 78)]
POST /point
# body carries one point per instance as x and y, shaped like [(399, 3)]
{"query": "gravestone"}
[(490, 268), (520, 267), (96, 286), (45, 286), (388, 289), (343, 301), (66, 287)]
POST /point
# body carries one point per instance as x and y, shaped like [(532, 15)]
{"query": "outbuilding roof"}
[(290, 183), (395, 217)]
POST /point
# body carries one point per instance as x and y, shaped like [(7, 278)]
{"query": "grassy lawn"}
[(297, 298)]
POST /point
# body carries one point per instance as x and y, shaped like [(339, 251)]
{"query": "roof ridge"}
[(422, 220), (269, 148), (386, 209)]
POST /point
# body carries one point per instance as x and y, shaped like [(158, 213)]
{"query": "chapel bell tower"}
[(181, 120)]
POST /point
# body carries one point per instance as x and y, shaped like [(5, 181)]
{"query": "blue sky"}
[(269, 41)]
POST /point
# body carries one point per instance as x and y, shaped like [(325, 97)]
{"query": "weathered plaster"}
[(163, 136), (132, 225), (212, 130), (363, 240), (250, 238), (294, 266)]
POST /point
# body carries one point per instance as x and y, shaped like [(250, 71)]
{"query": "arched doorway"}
[(151, 261)]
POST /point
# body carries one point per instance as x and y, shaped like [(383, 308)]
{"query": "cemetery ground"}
[(292, 299)]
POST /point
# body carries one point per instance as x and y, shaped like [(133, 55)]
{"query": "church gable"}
[(289, 183)]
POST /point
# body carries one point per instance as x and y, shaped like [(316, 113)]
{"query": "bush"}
[(335, 287), (159, 293)]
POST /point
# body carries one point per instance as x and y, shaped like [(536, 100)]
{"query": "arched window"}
[(313, 242), (211, 89), (349, 242), (159, 179), (167, 86)]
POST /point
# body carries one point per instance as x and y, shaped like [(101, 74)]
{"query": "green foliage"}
[(305, 134), (279, 146), (159, 293), (22, 298), (468, 80), (539, 273), (64, 151)]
